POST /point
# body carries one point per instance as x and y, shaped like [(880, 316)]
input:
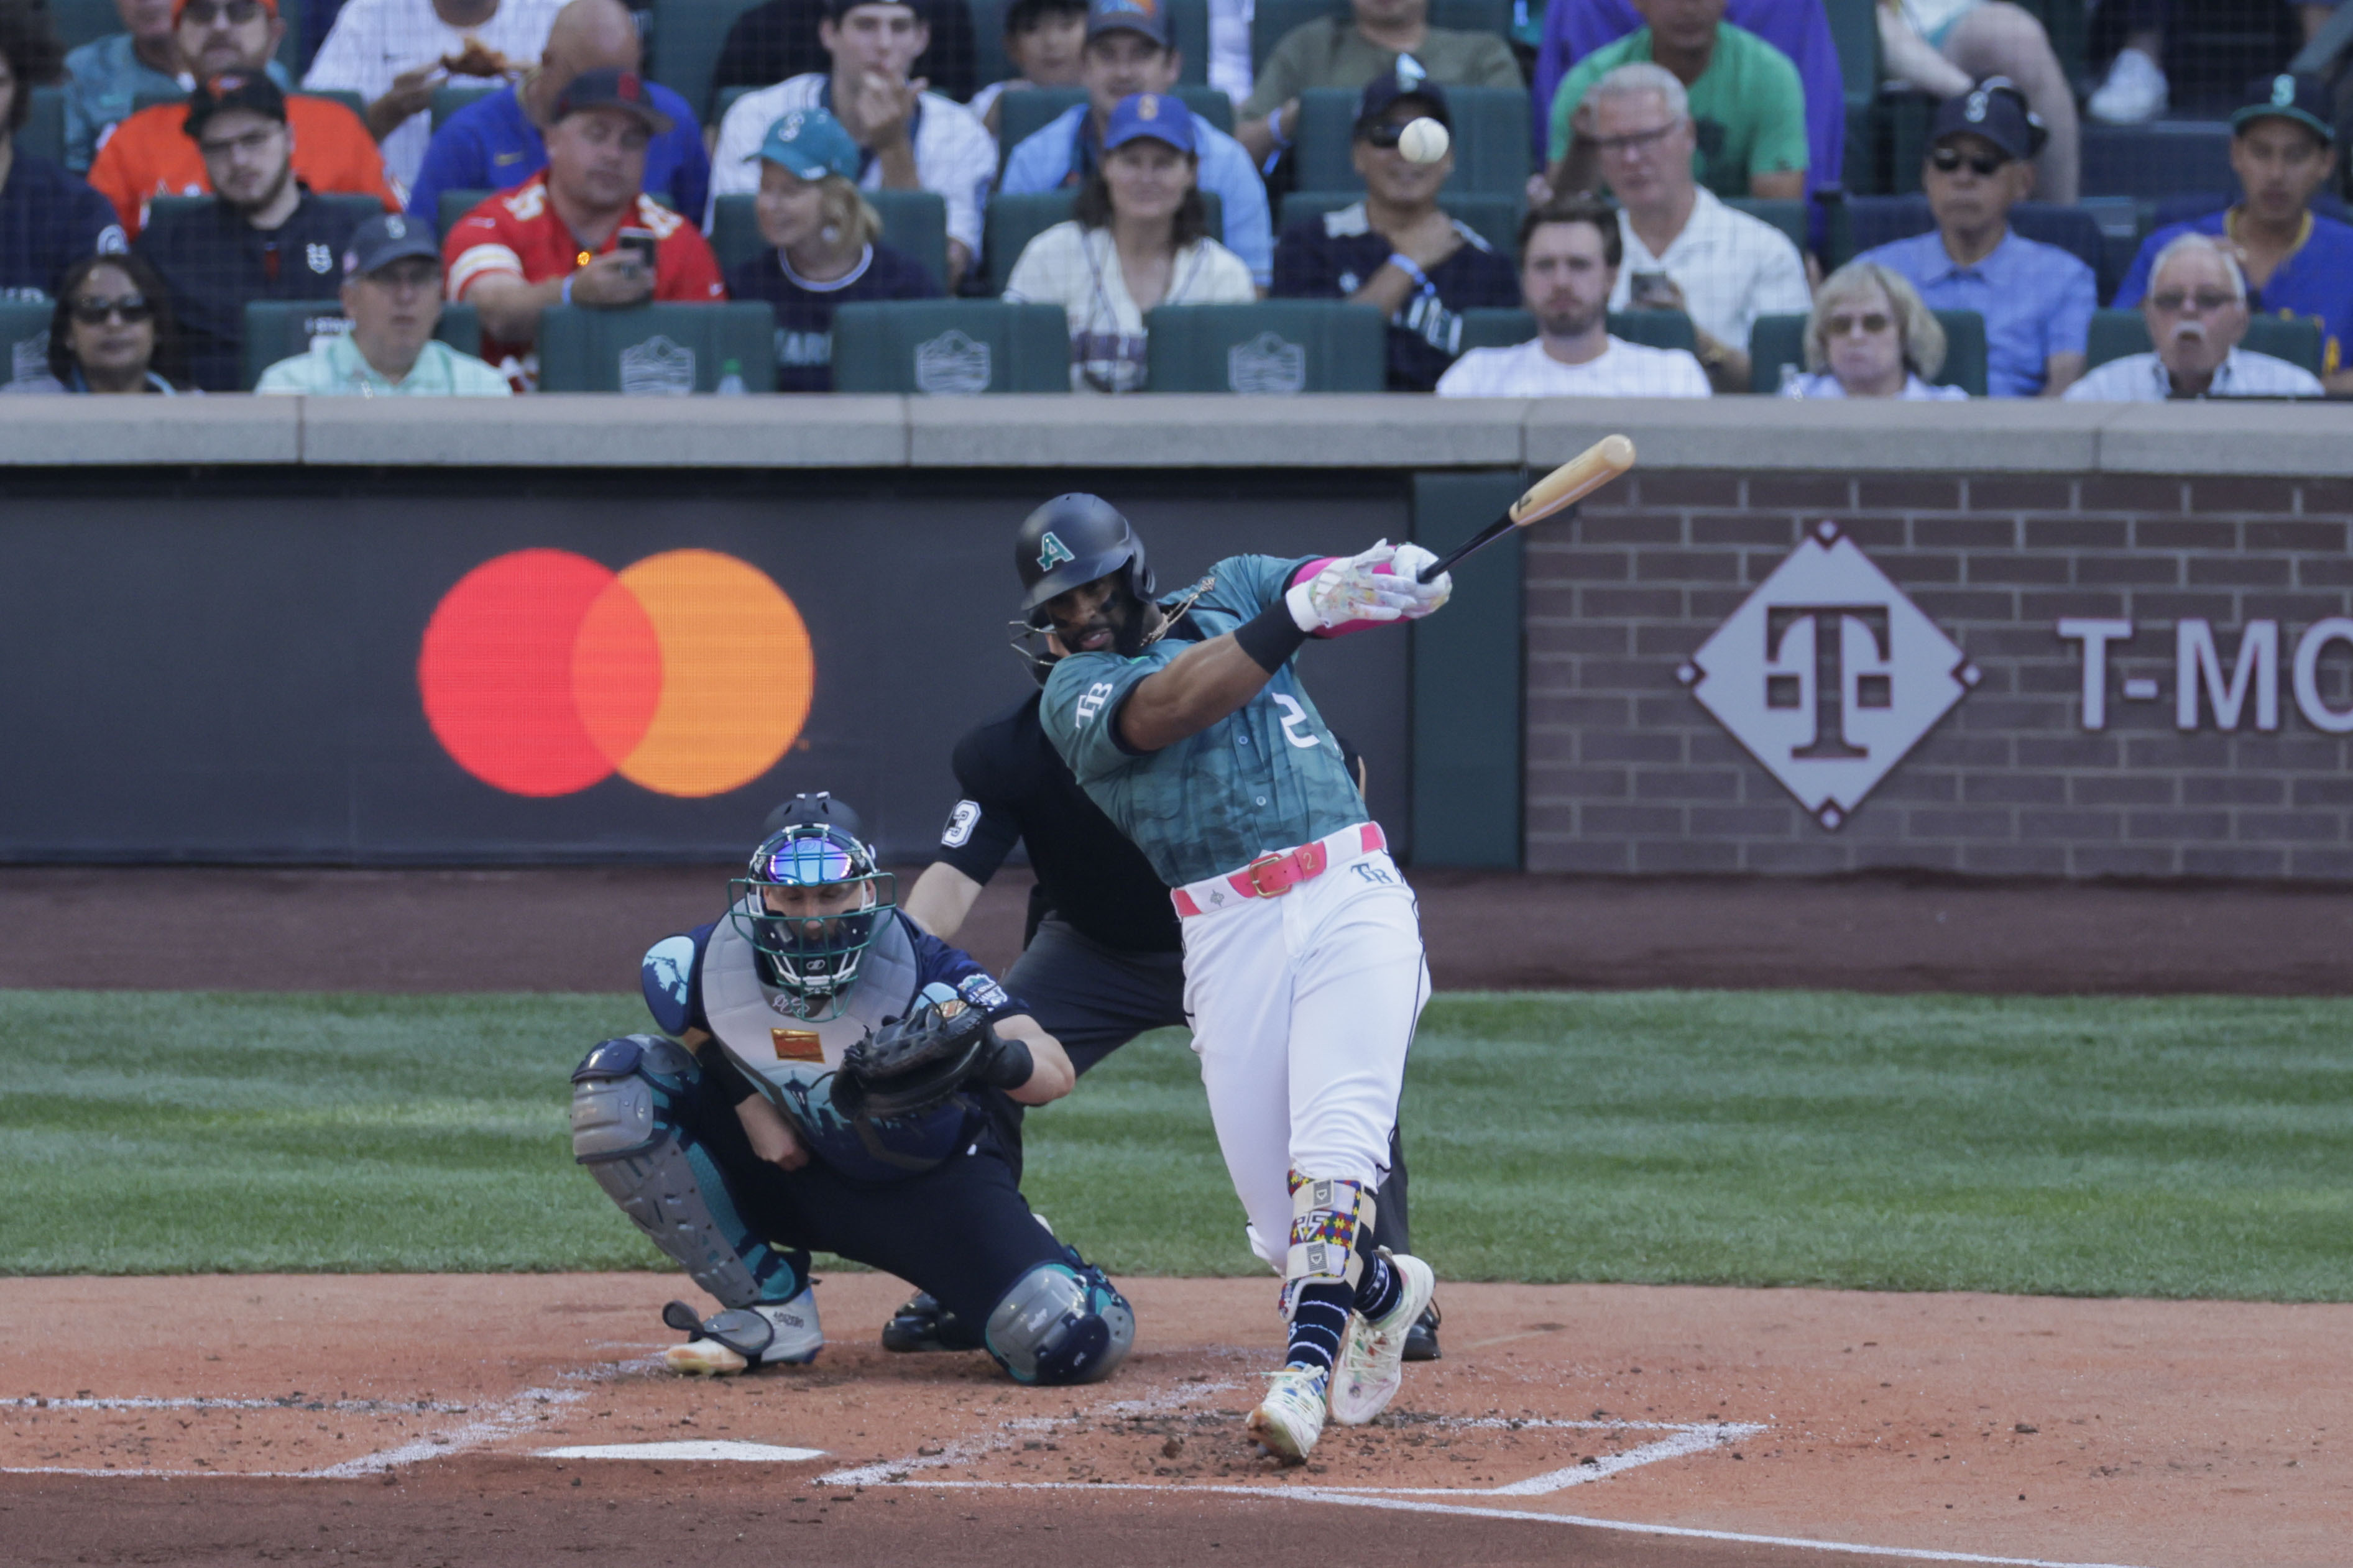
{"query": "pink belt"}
[(1276, 873)]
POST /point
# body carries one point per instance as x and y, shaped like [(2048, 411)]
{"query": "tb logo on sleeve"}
[(1096, 696)]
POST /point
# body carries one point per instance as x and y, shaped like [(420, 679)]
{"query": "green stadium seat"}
[(25, 331), (1014, 221), (725, 101), (456, 204), (1274, 346), (448, 101), (1491, 139), (143, 101), (1495, 216), (280, 329), (351, 101), (42, 134), (1502, 329), (1271, 19), (2297, 340), (657, 350), (80, 21), (1785, 214), (684, 46), (951, 347), (360, 206), (915, 222), (1021, 115), (1780, 339)]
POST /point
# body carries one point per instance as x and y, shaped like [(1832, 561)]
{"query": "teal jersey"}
[(1267, 776)]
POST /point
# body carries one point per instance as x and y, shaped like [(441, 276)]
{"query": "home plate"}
[(699, 1448)]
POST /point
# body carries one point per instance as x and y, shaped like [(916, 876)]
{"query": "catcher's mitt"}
[(913, 1064)]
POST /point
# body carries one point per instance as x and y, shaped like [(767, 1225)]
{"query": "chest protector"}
[(792, 1061)]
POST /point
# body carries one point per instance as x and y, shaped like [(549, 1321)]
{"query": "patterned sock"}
[(1379, 1289), (1317, 1316)]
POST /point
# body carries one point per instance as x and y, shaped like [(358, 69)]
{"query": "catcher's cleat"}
[(1289, 1420), (1421, 1340), (783, 1334), (1372, 1355), (924, 1325)]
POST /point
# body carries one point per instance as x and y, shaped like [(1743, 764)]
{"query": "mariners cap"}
[(385, 239), (1405, 79), (835, 10), (1153, 114), (608, 89), (1145, 17), (812, 144), (257, 93), (2285, 97), (1994, 111)]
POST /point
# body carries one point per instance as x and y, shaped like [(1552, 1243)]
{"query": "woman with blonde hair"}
[(1870, 336), (826, 246), (1138, 237)]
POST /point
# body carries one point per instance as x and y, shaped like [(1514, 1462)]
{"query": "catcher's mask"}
[(811, 905)]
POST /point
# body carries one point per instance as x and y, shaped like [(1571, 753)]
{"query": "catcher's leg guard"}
[(1061, 1322), (627, 1129)]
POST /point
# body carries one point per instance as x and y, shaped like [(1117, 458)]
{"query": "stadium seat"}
[(146, 98), (1189, 19), (351, 101), (1275, 346), (42, 134), (2297, 340), (1501, 329), (456, 204), (1495, 216), (1014, 221), (280, 329), (1854, 33), (1491, 139), (685, 46), (448, 101), (658, 350), (24, 329), (1785, 214), (1779, 341), (915, 222), (951, 347), (2165, 158), (80, 21), (361, 205), (1874, 221), (1271, 19), (1021, 115)]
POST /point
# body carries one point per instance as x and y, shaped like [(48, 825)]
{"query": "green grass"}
[(2177, 1147)]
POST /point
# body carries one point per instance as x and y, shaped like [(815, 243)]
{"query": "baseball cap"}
[(812, 144), (1993, 111), (385, 239), (2285, 97), (608, 89), (180, 5), (1405, 79), (1145, 17), (835, 10), (1153, 114), (257, 94)]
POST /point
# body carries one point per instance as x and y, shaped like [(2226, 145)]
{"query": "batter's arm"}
[(1051, 1074), (1200, 687), (941, 900)]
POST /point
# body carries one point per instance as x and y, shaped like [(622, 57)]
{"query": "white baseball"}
[(1423, 141)]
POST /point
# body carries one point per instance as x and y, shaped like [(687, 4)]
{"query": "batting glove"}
[(1407, 566), (1347, 590)]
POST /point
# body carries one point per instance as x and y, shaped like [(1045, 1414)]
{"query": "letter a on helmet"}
[(1051, 550)]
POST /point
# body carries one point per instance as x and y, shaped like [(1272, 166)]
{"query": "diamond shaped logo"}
[(1829, 675)]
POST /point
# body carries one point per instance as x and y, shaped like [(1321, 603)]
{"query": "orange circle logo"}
[(542, 672)]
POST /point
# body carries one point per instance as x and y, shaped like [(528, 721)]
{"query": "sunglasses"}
[(1948, 161), (2208, 300), (93, 312), (236, 13), (1871, 323)]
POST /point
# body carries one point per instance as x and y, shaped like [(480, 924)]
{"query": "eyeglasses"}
[(1633, 143), (1871, 322), (2208, 300), (236, 13), (93, 311), (251, 141), (1948, 161)]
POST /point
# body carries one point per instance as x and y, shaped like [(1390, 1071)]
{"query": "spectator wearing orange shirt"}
[(150, 154), (576, 233)]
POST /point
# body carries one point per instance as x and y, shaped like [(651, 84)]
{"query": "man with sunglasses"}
[(154, 152), (2037, 300), (263, 238), (2196, 312), (392, 292), (1397, 251)]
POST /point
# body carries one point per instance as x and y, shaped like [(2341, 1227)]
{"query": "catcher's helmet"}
[(1071, 541), (810, 939)]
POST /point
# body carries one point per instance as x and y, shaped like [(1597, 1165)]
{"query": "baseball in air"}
[(1423, 141)]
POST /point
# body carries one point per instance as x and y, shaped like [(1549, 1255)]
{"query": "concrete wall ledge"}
[(1362, 432)]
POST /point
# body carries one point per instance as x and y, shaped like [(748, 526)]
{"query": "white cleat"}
[(1290, 1419), (2134, 94), (1372, 1355), (739, 1340)]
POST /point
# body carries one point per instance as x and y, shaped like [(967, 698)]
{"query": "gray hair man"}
[(2197, 313)]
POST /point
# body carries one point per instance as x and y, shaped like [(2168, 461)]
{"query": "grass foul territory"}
[(2175, 1147)]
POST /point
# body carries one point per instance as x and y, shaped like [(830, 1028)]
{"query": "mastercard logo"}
[(544, 672)]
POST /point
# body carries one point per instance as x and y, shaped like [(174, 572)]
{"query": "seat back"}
[(1275, 346), (80, 21), (1493, 214), (1502, 329), (914, 222), (1271, 19), (662, 350), (280, 329), (951, 347), (448, 99), (687, 34), (456, 204), (1776, 341), (42, 134), (1785, 214), (352, 100), (1491, 139), (25, 333), (2296, 338), (1014, 221), (358, 206)]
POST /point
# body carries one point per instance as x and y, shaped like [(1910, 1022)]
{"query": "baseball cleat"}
[(1372, 1355), (1289, 1420), (1421, 1340), (924, 1325), (780, 1334)]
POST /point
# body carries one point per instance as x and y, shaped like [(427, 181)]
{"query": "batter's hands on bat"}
[(1407, 566), (1348, 590)]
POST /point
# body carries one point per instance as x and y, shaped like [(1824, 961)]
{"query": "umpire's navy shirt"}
[(804, 310), (49, 218), (213, 262), (1330, 257)]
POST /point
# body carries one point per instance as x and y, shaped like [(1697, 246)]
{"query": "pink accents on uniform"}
[(1272, 875)]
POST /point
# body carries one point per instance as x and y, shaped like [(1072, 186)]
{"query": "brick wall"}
[(1627, 772)]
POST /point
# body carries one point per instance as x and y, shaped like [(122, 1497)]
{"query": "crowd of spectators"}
[(197, 178)]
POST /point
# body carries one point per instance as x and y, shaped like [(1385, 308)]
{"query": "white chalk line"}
[(205, 1401)]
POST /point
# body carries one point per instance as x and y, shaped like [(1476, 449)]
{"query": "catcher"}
[(829, 1077)]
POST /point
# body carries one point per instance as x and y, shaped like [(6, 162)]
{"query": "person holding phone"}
[(580, 232)]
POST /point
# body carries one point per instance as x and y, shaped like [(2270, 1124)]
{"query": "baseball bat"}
[(1556, 492)]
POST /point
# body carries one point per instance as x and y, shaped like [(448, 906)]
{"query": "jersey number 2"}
[(1293, 714)]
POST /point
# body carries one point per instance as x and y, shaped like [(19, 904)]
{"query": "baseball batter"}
[(837, 1081), (1303, 968)]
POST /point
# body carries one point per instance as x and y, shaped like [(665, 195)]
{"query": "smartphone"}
[(1650, 289), (644, 242)]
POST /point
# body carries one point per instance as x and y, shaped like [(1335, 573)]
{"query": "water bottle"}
[(730, 379)]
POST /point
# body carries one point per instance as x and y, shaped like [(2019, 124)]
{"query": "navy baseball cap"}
[(1406, 79), (812, 144), (1148, 18), (835, 10), (257, 94), (1153, 114), (1994, 111), (2285, 97), (385, 239), (608, 89)]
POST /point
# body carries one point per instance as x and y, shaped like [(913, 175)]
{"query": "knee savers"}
[(1060, 1325)]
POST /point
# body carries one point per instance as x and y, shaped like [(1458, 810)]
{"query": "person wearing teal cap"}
[(824, 246)]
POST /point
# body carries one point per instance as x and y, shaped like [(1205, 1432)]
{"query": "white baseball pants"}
[(1303, 1007)]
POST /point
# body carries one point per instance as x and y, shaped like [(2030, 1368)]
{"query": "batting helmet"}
[(1071, 541)]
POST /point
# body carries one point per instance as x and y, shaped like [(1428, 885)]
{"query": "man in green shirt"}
[(1327, 52), (1747, 103), (392, 292)]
